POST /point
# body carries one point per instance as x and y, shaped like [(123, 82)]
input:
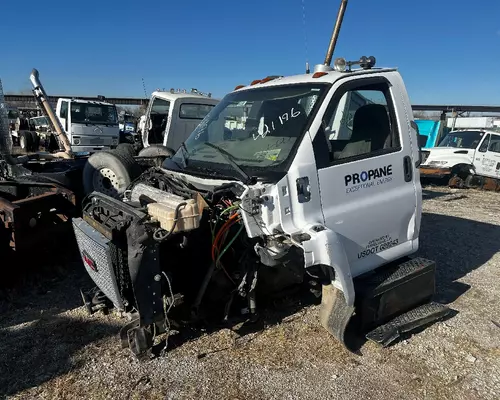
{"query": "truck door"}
[(158, 113), (369, 186), (487, 157)]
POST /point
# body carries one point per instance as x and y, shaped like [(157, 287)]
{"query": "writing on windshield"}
[(256, 128)]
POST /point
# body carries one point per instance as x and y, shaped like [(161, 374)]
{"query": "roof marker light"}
[(255, 82), (319, 74), (270, 78), (239, 87)]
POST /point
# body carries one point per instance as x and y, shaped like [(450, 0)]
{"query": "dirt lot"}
[(50, 349)]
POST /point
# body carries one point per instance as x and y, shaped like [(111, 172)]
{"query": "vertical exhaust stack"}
[(335, 33), (42, 97), (326, 66)]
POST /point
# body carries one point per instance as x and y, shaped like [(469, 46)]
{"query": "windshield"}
[(194, 111), (257, 130), (462, 139), (93, 113), (40, 121)]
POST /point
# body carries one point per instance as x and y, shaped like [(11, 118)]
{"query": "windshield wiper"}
[(247, 179)]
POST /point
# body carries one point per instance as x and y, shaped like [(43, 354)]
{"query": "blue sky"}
[(447, 51)]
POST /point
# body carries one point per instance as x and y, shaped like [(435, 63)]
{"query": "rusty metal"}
[(335, 33), (456, 182), (41, 96), (430, 172), (484, 183), (33, 213)]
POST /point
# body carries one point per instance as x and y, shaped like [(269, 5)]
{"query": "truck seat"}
[(371, 132)]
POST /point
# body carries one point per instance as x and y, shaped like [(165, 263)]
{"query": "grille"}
[(96, 255)]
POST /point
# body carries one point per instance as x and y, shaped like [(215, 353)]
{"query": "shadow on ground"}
[(459, 246), (37, 341), (42, 350)]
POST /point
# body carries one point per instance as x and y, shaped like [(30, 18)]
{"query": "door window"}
[(484, 145), (64, 109), (494, 144), (361, 124)]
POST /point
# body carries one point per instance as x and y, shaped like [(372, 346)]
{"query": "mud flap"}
[(335, 314)]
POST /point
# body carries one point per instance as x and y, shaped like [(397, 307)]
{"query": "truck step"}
[(411, 320), (393, 290)]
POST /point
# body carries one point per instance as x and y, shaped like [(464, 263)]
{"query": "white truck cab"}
[(90, 125), (463, 154), (172, 116)]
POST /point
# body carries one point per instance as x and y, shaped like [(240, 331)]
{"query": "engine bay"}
[(175, 254)]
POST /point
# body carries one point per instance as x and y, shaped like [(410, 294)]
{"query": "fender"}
[(325, 248)]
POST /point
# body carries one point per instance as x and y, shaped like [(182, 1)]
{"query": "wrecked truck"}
[(246, 210)]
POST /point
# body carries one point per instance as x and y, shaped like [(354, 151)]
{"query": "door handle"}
[(407, 167)]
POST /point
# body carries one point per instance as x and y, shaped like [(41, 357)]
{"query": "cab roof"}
[(77, 100), (180, 96), (328, 77)]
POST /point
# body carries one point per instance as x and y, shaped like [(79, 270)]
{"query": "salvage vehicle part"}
[(109, 172), (36, 200), (288, 182), (126, 148), (172, 115), (156, 150), (32, 212)]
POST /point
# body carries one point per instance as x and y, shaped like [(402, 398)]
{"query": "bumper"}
[(89, 149), (434, 172)]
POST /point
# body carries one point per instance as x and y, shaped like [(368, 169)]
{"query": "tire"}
[(52, 143), (126, 148), (156, 150), (35, 144), (109, 172), (25, 141)]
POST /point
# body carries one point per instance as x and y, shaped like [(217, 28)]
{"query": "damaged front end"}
[(172, 254)]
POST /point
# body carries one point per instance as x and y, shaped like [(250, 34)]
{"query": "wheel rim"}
[(106, 181), (22, 142)]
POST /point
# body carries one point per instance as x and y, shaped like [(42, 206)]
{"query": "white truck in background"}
[(171, 117), (90, 125), (464, 155)]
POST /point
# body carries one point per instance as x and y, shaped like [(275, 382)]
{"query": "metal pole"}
[(335, 33), (40, 94)]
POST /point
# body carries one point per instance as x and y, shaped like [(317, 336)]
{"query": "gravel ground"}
[(51, 349)]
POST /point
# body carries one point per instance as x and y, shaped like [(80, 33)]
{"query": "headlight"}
[(76, 141), (437, 163), (114, 141)]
